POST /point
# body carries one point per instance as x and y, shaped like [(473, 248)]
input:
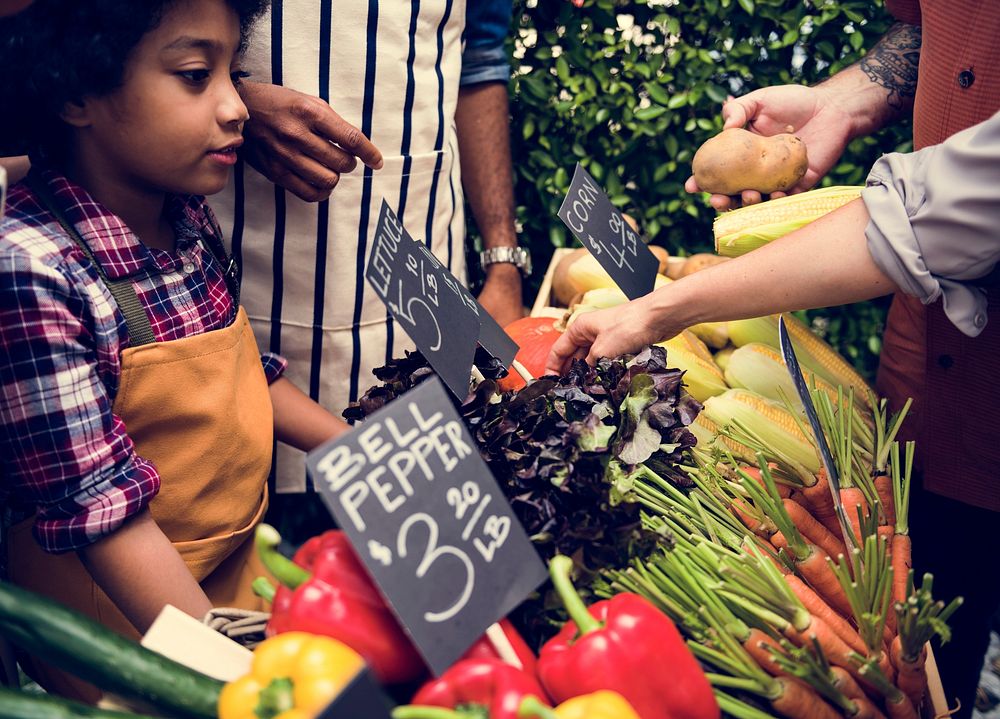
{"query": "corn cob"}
[(687, 341), (760, 368), (723, 356), (707, 433), (714, 334), (770, 422), (813, 353), (740, 231), (702, 379)]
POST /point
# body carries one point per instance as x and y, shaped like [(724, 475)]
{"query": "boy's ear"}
[(76, 113)]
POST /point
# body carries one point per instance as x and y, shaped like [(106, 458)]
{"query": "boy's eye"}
[(239, 76), (194, 76)]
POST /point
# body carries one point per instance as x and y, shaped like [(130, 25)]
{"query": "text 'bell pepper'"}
[(292, 676), (473, 689), (325, 590), (599, 705), (626, 645)]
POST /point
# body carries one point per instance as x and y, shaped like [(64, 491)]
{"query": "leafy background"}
[(631, 88)]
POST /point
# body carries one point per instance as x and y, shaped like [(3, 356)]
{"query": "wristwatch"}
[(517, 256)]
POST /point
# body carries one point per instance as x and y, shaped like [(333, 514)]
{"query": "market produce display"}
[(698, 564)]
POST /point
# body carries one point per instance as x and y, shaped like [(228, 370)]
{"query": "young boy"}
[(136, 414)]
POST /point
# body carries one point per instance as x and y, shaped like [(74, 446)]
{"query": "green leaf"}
[(715, 93), (679, 100), (528, 128), (650, 113), (657, 93), (747, 6)]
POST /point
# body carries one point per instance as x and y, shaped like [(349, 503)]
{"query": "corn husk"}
[(776, 427), (747, 228), (702, 378), (813, 353)]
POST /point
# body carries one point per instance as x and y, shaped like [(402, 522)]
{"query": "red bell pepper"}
[(484, 649), (626, 645), (325, 590), (473, 688)]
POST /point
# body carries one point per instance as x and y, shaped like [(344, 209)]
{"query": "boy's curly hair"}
[(56, 52)]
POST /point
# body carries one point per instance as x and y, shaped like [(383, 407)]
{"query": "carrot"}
[(836, 649), (901, 565), (821, 503), (754, 473), (817, 573), (852, 499), (911, 677), (883, 487), (756, 645), (813, 531), (843, 681), (745, 515), (902, 709), (817, 607), (887, 531), (797, 701), (866, 710)]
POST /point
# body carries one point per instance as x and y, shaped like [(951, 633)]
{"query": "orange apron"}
[(199, 409)]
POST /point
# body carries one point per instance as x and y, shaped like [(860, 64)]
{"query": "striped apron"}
[(391, 68)]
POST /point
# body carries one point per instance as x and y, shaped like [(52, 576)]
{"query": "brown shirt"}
[(954, 379)]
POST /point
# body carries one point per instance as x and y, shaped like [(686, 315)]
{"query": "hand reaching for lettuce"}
[(610, 333)]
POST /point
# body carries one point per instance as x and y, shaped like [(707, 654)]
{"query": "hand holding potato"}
[(812, 112)]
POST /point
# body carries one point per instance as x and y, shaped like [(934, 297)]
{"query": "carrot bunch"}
[(806, 604)]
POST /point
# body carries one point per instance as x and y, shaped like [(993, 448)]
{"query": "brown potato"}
[(701, 261), (737, 160)]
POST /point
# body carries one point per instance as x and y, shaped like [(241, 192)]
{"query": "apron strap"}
[(231, 273), (140, 331)]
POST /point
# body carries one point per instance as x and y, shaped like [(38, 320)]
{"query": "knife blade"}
[(833, 477)]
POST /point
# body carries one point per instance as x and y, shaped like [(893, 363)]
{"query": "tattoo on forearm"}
[(892, 63)]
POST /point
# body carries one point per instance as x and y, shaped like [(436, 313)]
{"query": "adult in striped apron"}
[(391, 68)]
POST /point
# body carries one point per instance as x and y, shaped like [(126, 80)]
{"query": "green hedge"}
[(631, 89)]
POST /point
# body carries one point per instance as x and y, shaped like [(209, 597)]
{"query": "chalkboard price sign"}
[(602, 229), (428, 302), (429, 521)]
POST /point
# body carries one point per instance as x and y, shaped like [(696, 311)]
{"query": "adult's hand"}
[(608, 333), (299, 142), (501, 293), (815, 117)]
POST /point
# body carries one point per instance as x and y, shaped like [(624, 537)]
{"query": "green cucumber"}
[(21, 705), (82, 647)]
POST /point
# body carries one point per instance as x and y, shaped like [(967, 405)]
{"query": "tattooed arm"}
[(856, 101), (880, 87)]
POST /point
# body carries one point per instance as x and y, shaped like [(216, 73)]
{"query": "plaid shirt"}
[(63, 452)]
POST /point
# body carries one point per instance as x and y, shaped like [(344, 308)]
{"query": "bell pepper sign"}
[(474, 688), (626, 645)]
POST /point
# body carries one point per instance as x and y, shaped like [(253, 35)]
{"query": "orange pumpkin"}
[(535, 336)]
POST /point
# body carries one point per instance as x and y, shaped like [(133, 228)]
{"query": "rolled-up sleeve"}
[(484, 58), (935, 221), (274, 366), (62, 448)]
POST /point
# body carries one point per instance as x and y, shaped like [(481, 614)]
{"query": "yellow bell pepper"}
[(599, 705), (294, 675)]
